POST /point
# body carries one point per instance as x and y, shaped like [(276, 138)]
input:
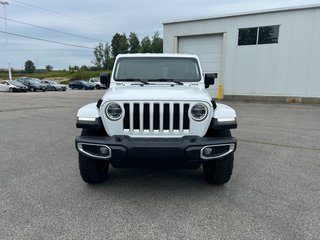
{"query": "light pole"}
[(7, 38)]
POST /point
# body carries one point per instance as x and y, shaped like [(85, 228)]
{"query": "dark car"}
[(53, 85), (33, 84), (80, 84)]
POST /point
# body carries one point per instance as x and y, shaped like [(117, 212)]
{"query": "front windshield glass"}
[(157, 69), (16, 83), (52, 82), (35, 80)]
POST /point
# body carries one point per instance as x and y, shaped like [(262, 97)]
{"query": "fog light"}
[(104, 151), (207, 152)]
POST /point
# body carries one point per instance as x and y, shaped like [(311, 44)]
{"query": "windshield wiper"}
[(134, 79), (168, 80)]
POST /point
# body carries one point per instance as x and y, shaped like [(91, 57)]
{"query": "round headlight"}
[(114, 111), (199, 112)]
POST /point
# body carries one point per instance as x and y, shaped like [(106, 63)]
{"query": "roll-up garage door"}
[(209, 50)]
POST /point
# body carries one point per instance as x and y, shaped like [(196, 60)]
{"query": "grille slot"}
[(156, 117)]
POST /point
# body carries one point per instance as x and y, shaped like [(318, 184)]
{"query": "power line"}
[(50, 29), (56, 13), (45, 40)]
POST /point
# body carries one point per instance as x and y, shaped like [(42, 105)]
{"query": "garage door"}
[(209, 50)]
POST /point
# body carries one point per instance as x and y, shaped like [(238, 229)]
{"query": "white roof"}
[(158, 55), (291, 8)]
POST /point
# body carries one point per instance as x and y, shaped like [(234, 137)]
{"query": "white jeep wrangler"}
[(156, 112)]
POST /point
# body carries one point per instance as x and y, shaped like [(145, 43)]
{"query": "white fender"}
[(224, 112), (88, 112)]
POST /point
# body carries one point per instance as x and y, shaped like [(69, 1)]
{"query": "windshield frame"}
[(169, 79)]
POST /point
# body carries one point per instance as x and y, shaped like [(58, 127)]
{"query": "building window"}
[(247, 36), (268, 34), (258, 35)]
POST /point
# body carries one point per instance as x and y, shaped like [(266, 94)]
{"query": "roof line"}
[(271, 10)]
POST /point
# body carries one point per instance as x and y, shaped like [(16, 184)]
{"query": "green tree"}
[(84, 68), (119, 44), (134, 43), (29, 67), (74, 68), (124, 45), (157, 43), (102, 56), (146, 45), (115, 45), (49, 68), (108, 61), (98, 54)]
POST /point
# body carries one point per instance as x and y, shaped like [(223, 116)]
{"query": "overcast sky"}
[(100, 20)]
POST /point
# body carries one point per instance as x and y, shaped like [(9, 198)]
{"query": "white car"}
[(97, 83), (156, 112), (12, 86)]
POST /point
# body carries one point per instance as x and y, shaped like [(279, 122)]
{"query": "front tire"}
[(219, 171), (92, 170), (32, 89), (11, 90)]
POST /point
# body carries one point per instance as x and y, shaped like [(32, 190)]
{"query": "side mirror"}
[(209, 79), (105, 79)]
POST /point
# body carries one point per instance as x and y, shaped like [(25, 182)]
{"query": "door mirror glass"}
[(209, 79), (105, 79)]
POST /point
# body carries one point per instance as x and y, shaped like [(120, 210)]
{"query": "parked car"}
[(53, 85), (33, 84), (81, 84), (12, 86), (97, 83)]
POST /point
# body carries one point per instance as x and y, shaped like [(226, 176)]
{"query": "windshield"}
[(157, 69), (16, 83), (34, 80), (52, 82)]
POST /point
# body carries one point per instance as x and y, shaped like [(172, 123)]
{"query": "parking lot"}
[(274, 192)]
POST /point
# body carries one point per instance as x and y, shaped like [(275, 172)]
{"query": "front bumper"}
[(126, 150), (20, 89)]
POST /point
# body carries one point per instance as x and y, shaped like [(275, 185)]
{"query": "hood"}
[(157, 93)]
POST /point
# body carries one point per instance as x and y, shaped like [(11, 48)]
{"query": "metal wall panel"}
[(289, 68)]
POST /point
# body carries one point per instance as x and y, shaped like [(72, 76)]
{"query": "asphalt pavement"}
[(274, 192)]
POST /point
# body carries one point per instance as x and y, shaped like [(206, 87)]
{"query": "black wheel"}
[(219, 171), (32, 89), (54, 89), (92, 170), (98, 86), (11, 90)]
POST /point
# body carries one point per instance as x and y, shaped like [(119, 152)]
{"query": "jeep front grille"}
[(156, 117)]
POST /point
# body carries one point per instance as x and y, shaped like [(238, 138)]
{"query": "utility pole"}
[(7, 38)]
